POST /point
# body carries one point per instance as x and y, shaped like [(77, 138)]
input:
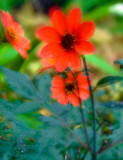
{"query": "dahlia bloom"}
[(67, 39), (14, 34), (70, 89)]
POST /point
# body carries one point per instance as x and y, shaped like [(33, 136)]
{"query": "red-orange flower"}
[(67, 39), (14, 34), (69, 89), (48, 62)]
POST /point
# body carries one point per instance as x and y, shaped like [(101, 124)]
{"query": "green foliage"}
[(27, 134), (113, 104), (108, 81), (5, 51), (20, 84), (120, 62), (102, 64), (8, 4), (42, 142)]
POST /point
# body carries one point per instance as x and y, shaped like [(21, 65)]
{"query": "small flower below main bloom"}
[(71, 89)]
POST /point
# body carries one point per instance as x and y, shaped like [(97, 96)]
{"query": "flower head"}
[(14, 34), (67, 39), (70, 89)]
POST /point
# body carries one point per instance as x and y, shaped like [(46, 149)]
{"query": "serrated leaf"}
[(20, 83), (44, 85), (109, 80), (28, 107), (7, 109)]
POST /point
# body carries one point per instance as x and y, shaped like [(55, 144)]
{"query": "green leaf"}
[(44, 85), (119, 61), (20, 83), (7, 109), (102, 64), (28, 107), (113, 104), (100, 12), (109, 80)]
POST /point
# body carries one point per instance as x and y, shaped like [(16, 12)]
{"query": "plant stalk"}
[(81, 111), (67, 127), (93, 107), (110, 146)]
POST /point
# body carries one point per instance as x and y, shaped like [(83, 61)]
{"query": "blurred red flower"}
[(14, 34), (67, 39), (70, 89)]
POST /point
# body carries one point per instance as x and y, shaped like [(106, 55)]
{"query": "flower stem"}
[(81, 111), (93, 108), (84, 124)]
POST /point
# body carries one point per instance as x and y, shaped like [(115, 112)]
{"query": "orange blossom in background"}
[(14, 34)]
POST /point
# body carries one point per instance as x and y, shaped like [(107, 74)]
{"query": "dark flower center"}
[(68, 41), (69, 87)]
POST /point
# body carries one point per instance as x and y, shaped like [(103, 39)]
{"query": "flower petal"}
[(74, 20), (70, 76), (57, 81), (59, 22), (82, 81), (22, 42), (6, 19), (50, 50), (59, 94), (48, 34), (61, 63), (48, 62), (74, 100), (75, 61), (21, 45), (18, 29), (22, 52), (84, 93), (63, 99), (85, 47), (86, 30)]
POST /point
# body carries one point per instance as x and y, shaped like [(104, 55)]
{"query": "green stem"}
[(84, 155), (81, 111), (110, 146), (49, 107), (93, 108)]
